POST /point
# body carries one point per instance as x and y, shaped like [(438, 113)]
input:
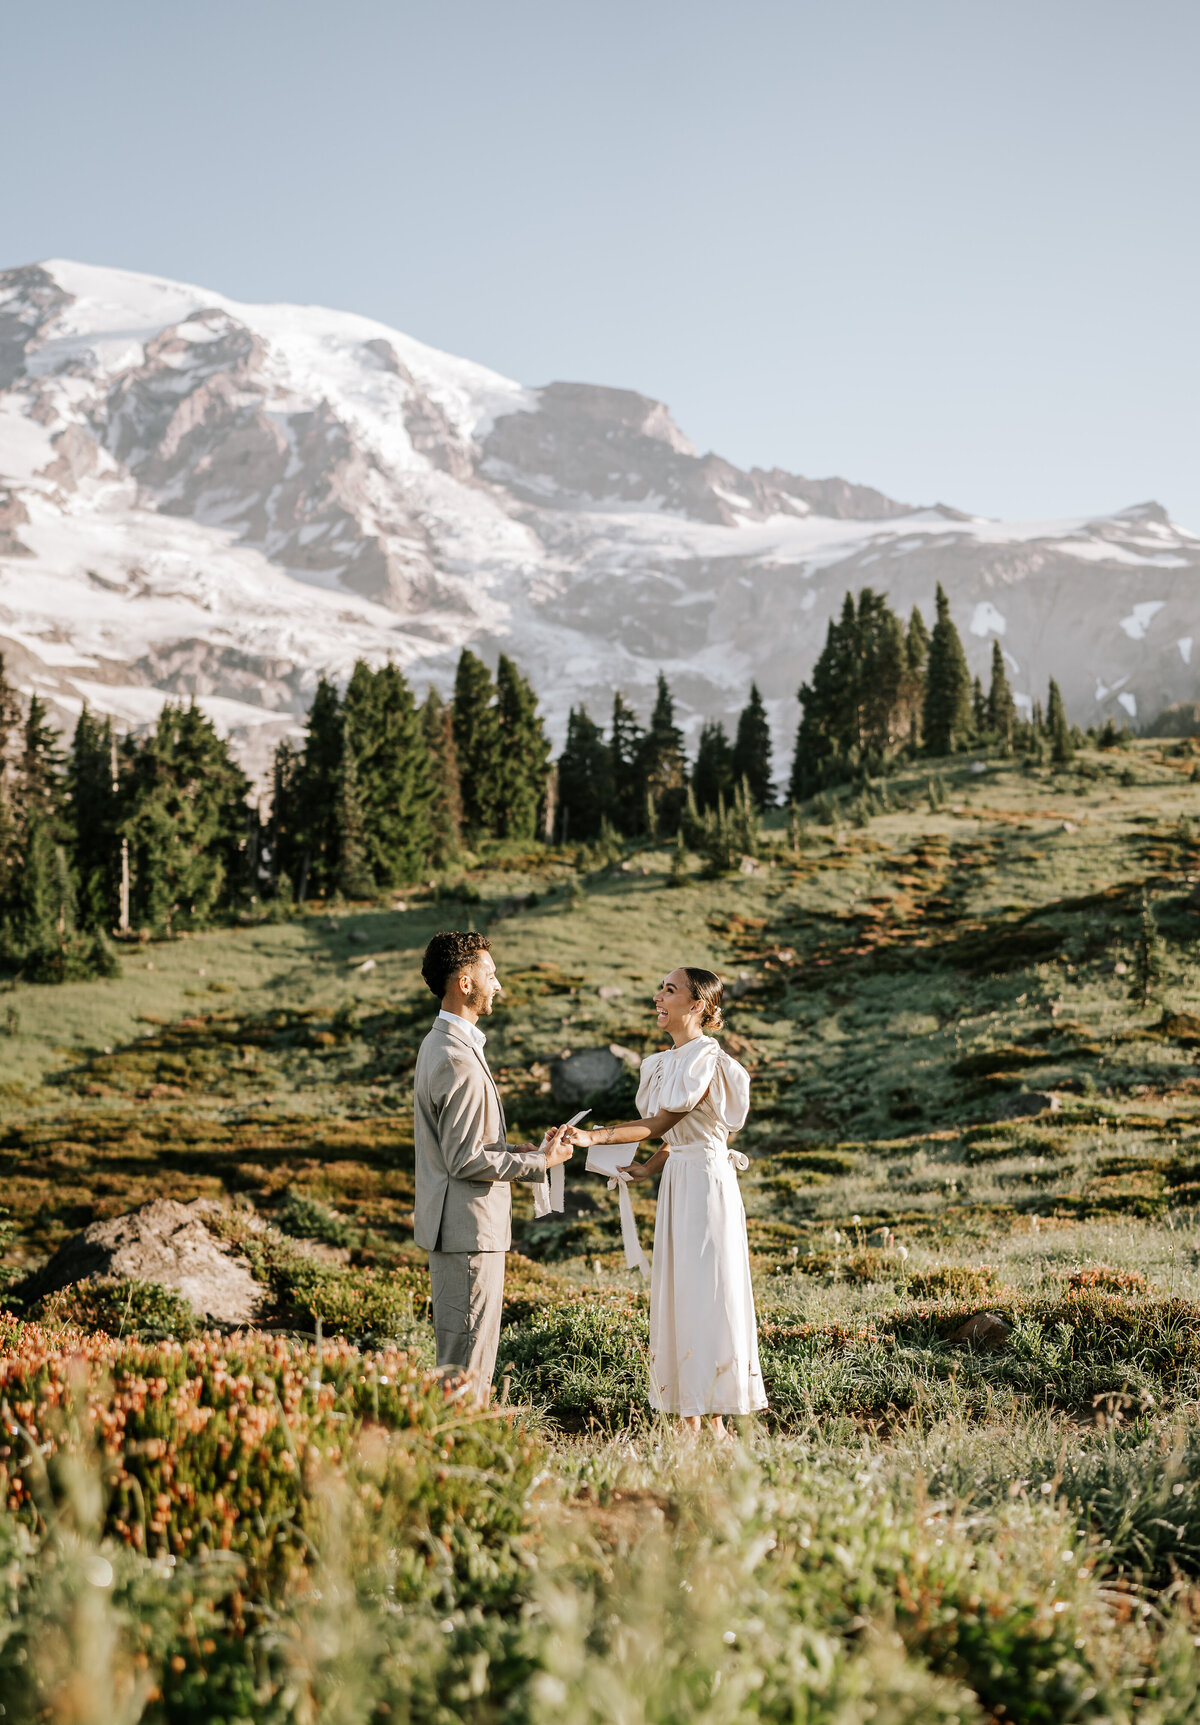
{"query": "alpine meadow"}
[(958, 956)]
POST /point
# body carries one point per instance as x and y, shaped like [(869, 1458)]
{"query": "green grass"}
[(919, 1530)]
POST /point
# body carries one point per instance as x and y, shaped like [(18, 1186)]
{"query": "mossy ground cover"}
[(960, 1107)]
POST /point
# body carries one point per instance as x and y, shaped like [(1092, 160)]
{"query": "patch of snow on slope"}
[(986, 619), (1141, 617)]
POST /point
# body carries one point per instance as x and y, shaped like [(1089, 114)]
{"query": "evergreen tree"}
[(1149, 959), (477, 742), (1056, 723), (859, 703), (445, 809), (317, 787), (286, 837), (95, 813), (752, 751), (1001, 708), (524, 767), (712, 778), (355, 875), (947, 716), (41, 772), (979, 713), (584, 779), (392, 779), (628, 802), (185, 816), (662, 765), (916, 660)]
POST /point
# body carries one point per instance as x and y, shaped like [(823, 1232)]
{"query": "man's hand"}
[(558, 1146)]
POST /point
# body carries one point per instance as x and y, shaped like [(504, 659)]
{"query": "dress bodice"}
[(702, 1082)]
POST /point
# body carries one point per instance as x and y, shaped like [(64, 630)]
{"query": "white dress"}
[(703, 1335)]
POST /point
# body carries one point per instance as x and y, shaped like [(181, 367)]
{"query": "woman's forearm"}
[(625, 1132)]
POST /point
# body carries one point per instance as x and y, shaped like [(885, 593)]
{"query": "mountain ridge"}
[(199, 497)]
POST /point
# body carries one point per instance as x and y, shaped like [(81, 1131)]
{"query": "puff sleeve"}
[(681, 1080)]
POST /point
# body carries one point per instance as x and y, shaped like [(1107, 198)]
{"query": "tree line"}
[(156, 832), (882, 690)]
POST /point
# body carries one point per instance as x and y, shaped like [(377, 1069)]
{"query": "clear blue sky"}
[(945, 247)]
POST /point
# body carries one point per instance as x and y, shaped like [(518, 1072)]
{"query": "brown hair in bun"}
[(708, 989)]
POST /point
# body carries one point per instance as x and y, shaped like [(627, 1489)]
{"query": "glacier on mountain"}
[(203, 498)]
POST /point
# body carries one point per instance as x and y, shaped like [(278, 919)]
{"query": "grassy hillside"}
[(973, 1051)]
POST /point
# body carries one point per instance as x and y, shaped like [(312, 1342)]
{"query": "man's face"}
[(484, 984)]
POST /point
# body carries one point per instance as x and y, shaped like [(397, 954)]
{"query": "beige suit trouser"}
[(468, 1295)]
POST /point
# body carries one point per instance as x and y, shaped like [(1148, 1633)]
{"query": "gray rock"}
[(1023, 1104), (583, 1073), (163, 1241)]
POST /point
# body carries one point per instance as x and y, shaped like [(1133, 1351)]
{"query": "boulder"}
[(1023, 1104), (582, 1073), (163, 1241), (985, 1330)]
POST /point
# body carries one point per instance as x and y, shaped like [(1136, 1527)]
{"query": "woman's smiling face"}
[(678, 1009)]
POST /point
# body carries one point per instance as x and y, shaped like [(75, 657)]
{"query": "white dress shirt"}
[(472, 1030)]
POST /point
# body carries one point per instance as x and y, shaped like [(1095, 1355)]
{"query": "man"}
[(463, 1213)]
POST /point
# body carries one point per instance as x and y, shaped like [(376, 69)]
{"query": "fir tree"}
[(41, 772), (524, 754), (662, 765), (947, 716), (393, 781), (979, 714), (625, 760), (94, 805), (1149, 959), (712, 777), (1001, 708), (185, 816), (752, 751), (916, 660), (1056, 723), (286, 828), (355, 876), (477, 742), (445, 810), (316, 791), (584, 779)]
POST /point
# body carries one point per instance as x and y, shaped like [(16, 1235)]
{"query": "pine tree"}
[(947, 717), (1056, 723), (1001, 708), (355, 876), (979, 715), (712, 777), (445, 810), (752, 751), (393, 780), (95, 812), (317, 787), (584, 779), (285, 829), (524, 754), (477, 741), (662, 765), (185, 816), (625, 768), (916, 660), (41, 772), (1149, 959)]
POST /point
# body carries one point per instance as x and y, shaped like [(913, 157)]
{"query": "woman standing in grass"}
[(703, 1336)]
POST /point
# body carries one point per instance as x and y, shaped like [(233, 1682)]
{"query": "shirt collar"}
[(472, 1030)]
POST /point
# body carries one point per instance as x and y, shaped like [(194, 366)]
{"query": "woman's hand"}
[(578, 1135), (648, 1169)]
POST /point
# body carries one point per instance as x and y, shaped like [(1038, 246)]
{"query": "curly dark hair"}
[(450, 950)]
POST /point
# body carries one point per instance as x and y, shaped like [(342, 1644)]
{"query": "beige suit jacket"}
[(463, 1203)]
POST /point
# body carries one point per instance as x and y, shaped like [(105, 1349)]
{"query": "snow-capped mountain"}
[(201, 497)]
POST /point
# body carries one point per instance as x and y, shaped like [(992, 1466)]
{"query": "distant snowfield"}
[(200, 498)]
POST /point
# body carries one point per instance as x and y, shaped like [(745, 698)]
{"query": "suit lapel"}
[(465, 1041)]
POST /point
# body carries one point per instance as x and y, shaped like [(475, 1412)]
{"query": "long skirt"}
[(703, 1335)]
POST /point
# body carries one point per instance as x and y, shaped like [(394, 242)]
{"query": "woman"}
[(703, 1337)]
